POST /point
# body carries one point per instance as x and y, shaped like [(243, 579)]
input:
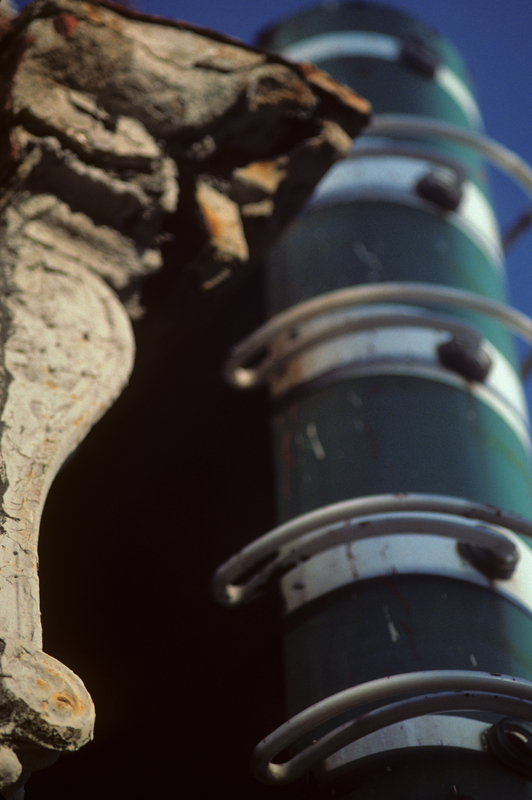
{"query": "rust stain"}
[(323, 81), (92, 14), (292, 372), (276, 86), (214, 222), (266, 175), (65, 24), (392, 585), (63, 701), (410, 637)]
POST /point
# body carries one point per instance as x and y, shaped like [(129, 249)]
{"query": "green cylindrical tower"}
[(416, 398)]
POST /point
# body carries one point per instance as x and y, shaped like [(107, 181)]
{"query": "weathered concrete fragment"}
[(129, 145)]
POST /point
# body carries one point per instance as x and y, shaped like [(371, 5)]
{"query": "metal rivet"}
[(419, 57), (511, 741), (468, 359), (443, 187)]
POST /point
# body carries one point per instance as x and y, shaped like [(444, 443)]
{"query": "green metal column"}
[(342, 431)]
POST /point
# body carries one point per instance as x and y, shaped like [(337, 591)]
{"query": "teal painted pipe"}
[(340, 432)]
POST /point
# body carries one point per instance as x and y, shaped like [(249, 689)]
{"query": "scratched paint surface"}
[(345, 441), (384, 621)]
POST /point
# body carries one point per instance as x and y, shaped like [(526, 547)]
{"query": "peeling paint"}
[(315, 443), (392, 630)]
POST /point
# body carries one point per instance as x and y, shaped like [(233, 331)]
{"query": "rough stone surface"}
[(130, 147), (115, 113)]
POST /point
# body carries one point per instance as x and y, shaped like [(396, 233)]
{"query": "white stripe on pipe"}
[(359, 176), (407, 351), (457, 89), (388, 48), (339, 44), (411, 554), (432, 730)]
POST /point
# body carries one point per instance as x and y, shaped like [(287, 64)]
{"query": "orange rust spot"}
[(63, 700), (278, 87), (293, 373), (91, 13), (51, 384), (72, 702), (323, 81), (266, 174), (213, 221), (65, 24)]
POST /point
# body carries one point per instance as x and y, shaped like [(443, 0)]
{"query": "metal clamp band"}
[(430, 730), (361, 518), (408, 178), (365, 319), (452, 690), (285, 323), (500, 156), (391, 147)]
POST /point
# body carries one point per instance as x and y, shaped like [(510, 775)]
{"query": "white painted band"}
[(404, 351), (433, 730), (343, 44), (394, 177), (407, 554), (435, 691), (358, 519)]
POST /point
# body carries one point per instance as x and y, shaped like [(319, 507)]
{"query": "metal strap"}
[(284, 325), (242, 575), (450, 690)]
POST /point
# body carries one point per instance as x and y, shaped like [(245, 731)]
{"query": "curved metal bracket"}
[(283, 327), (240, 578), (502, 157), (410, 125), (450, 690), (382, 125)]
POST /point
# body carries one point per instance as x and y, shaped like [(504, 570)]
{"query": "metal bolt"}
[(494, 564), (419, 57), (443, 187), (466, 358), (510, 740)]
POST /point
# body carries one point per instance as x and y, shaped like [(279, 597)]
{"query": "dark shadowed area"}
[(173, 480)]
